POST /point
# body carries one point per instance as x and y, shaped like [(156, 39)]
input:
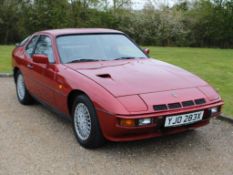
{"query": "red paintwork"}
[(132, 89), (39, 58)]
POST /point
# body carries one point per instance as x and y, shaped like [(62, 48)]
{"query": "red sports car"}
[(109, 87)]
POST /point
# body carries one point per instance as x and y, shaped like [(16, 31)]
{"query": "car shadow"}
[(170, 142), (189, 140)]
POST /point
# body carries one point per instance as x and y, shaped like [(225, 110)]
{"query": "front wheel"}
[(23, 95), (86, 124)]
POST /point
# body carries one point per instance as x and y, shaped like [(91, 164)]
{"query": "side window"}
[(31, 45), (44, 47)]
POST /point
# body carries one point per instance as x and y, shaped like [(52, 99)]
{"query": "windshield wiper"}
[(124, 58), (83, 60), (127, 58)]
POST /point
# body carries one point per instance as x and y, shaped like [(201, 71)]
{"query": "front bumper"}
[(113, 131)]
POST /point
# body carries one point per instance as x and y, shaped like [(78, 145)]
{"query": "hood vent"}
[(104, 76)]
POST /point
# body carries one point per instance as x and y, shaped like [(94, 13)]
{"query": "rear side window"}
[(44, 47), (31, 45)]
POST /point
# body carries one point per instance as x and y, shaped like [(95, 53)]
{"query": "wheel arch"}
[(71, 97), (15, 71)]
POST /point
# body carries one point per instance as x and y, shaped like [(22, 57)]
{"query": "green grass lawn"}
[(5, 58), (213, 65)]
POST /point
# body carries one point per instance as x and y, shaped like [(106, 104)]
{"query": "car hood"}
[(141, 76)]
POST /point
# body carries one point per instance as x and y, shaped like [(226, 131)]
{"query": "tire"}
[(23, 95), (85, 123)]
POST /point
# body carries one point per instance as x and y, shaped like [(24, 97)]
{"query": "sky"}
[(138, 4)]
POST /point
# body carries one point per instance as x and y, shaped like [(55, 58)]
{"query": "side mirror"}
[(146, 51), (39, 58)]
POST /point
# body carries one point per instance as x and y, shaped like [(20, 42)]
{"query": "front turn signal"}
[(127, 122)]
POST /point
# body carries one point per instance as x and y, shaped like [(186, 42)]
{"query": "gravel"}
[(34, 140)]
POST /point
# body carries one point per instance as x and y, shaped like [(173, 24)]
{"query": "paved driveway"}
[(36, 141)]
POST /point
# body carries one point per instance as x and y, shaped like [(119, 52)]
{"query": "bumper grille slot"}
[(187, 103), (160, 107), (178, 105), (174, 105), (200, 101)]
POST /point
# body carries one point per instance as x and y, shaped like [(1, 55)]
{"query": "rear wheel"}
[(23, 95), (85, 123)]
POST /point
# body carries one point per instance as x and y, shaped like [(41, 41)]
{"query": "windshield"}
[(96, 47)]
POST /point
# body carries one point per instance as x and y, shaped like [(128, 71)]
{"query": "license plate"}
[(184, 119)]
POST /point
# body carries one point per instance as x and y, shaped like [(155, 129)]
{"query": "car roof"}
[(57, 32)]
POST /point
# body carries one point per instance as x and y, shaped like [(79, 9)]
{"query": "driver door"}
[(44, 74)]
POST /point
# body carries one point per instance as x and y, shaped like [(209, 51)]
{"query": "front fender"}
[(101, 98)]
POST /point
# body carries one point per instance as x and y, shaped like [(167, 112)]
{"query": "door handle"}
[(30, 66)]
